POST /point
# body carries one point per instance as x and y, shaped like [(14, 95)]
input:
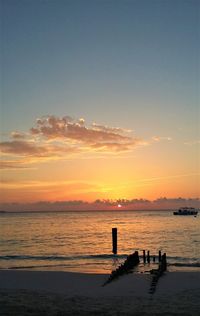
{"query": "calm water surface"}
[(81, 241)]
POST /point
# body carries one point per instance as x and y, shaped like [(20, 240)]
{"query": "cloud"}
[(30, 152), (133, 204), (17, 135), (71, 186), (14, 164), (160, 138), (192, 142), (116, 147), (89, 138), (59, 137), (67, 129), (23, 148), (32, 149), (110, 129)]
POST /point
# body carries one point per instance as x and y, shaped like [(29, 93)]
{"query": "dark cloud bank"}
[(78, 205)]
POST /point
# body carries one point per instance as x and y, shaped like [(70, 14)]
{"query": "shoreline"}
[(53, 293)]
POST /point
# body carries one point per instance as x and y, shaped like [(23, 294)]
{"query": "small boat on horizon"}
[(186, 211)]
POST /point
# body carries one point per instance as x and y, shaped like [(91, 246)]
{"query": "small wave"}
[(64, 258), (34, 267), (57, 260), (179, 264)]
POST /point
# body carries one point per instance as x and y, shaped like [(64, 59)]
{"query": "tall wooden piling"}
[(114, 240), (144, 256), (164, 261), (159, 256), (148, 256)]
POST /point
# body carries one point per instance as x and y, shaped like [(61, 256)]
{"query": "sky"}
[(99, 100)]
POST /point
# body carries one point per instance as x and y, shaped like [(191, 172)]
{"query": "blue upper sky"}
[(126, 63)]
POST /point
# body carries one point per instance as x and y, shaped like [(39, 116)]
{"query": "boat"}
[(186, 211)]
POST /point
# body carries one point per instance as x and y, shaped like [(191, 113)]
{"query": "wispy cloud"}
[(33, 149), (160, 138), (17, 135), (169, 177), (23, 148), (43, 185), (14, 164), (192, 142), (57, 138)]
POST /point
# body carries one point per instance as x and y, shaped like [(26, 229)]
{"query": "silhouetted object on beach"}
[(148, 256), (157, 273), (164, 262), (114, 240), (130, 262), (144, 256), (159, 256)]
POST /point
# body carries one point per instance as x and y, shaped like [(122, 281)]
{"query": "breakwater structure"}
[(157, 273), (133, 260), (130, 262)]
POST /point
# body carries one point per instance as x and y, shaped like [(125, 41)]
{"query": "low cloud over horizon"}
[(104, 204)]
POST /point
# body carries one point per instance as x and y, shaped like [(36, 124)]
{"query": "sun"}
[(119, 205)]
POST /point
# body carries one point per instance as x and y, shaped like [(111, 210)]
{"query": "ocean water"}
[(82, 241)]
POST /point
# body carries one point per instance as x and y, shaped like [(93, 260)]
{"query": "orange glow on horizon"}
[(109, 178)]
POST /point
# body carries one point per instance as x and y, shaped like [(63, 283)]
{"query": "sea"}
[(81, 241)]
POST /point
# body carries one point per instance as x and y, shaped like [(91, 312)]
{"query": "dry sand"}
[(65, 293)]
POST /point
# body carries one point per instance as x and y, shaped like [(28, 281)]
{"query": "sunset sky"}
[(99, 99)]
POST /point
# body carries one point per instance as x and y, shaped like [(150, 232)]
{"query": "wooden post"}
[(148, 257), (144, 256), (154, 259), (164, 262), (114, 240), (137, 256), (159, 256)]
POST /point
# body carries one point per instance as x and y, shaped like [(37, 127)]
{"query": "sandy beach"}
[(65, 293)]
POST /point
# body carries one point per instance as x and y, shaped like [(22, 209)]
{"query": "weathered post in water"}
[(159, 256), (144, 256), (148, 256), (164, 262), (114, 240)]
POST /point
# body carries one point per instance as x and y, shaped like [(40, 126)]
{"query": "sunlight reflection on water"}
[(76, 235)]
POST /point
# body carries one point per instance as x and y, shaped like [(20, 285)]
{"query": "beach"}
[(57, 263), (67, 293)]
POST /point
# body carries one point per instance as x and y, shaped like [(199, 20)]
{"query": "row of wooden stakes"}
[(133, 260), (130, 262), (147, 258), (157, 273)]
